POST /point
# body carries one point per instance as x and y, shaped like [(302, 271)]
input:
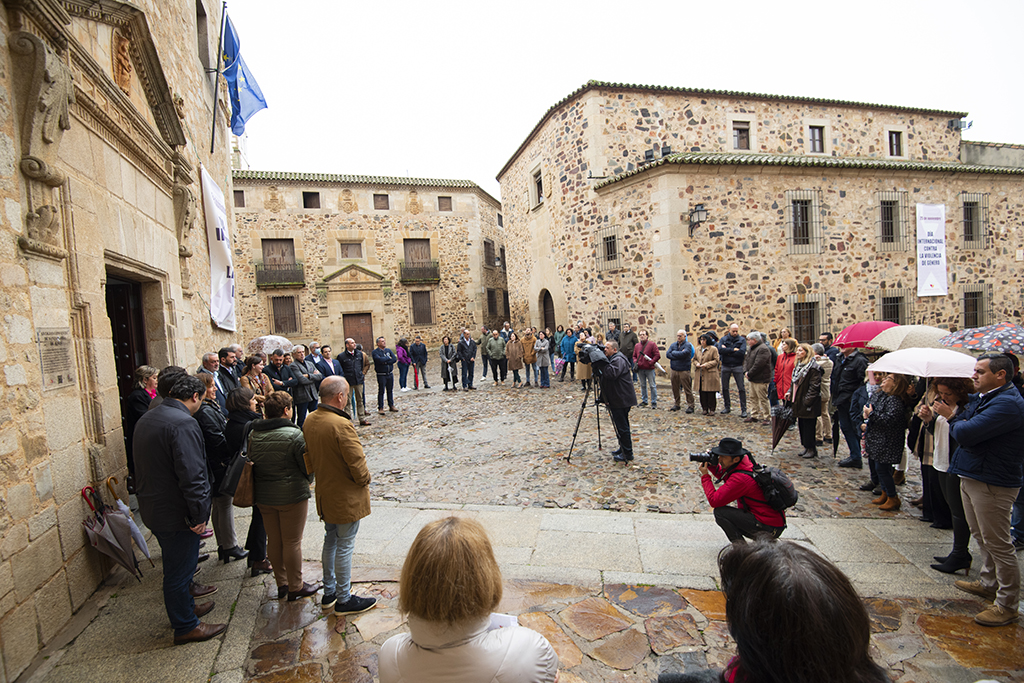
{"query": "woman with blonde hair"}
[(805, 393), (136, 404), (449, 586)]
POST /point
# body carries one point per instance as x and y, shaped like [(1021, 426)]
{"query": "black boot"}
[(225, 555), (954, 563)]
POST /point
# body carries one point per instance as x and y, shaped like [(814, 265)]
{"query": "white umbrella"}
[(907, 337), (268, 344), (926, 363)]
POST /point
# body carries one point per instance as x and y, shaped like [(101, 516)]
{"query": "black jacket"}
[(466, 350), (228, 379), (418, 353), (218, 455), (284, 375), (847, 376), (170, 468), (135, 406), (352, 367), (384, 361), (237, 421), (617, 383), (732, 350)]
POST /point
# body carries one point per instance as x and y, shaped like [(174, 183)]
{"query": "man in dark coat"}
[(279, 374), (466, 354), (418, 354), (618, 395), (731, 349), (327, 365), (174, 500), (825, 339), (628, 339), (384, 360), (757, 367), (226, 373), (307, 379), (847, 376), (351, 364), (211, 366), (680, 356)]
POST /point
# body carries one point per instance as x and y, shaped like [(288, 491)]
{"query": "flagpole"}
[(216, 73)]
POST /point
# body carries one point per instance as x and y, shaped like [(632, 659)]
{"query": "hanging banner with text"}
[(222, 273), (931, 250)]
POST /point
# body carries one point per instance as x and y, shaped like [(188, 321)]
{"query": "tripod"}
[(595, 381)]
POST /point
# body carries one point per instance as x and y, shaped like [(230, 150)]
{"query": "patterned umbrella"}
[(1003, 338), (908, 337), (269, 343), (858, 335)]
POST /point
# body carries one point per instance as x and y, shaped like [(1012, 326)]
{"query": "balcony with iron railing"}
[(280, 275), (419, 271)]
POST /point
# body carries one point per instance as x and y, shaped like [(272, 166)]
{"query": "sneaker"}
[(643, 404), (726, 411), (996, 615), (744, 414), (327, 602), (689, 410), (975, 588), (673, 409), (354, 605), (404, 389)]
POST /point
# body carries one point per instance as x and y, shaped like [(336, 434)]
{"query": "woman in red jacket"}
[(784, 368)]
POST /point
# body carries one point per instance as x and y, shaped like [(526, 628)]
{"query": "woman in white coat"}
[(450, 584)]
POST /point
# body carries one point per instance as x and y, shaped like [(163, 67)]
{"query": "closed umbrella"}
[(108, 531), (926, 363), (858, 335), (137, 536), (782, 419), (1001, 337), (908, 337)]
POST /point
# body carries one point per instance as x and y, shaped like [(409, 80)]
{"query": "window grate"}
[(488, 254), (803, 221), (285, 314), (892, 214), (608, 248), (422, 305), (976, 300), (808, 316), (974, 216), (897, 305)]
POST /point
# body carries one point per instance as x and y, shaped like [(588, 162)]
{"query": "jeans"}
[(403, 372), (532, 366), (467, 374), (180, 550), (515, 377), (544, 380), (303, 409), (738, 523), (620, 418), (339, 540), (647, 377), (885, 479), (737, 373), (385, 383), (849, 430), (484, 359)]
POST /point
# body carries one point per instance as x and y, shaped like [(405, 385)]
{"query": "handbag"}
[(233, 473), (243, 492)]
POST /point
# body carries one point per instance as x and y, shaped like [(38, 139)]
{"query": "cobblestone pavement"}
[(504, 446)]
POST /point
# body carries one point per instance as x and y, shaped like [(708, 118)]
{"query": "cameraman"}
[(753, 515), (618, 395)]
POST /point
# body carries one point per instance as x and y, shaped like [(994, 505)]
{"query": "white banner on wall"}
[(931, 250), (222, 272)]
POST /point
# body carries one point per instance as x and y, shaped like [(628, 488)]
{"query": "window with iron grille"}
[(741, 134), (311, 200), (381, 202), (897, 305), (492, 302), (974, 210), (892, 214), (239, 199), (284, 314), (422, 306), (444, 203), (609, 248), (606, 317), (807, 316), (975, 301), (488, 254), (803, 221), (816, 139)]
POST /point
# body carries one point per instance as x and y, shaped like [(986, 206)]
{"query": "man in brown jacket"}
[(335, 456)]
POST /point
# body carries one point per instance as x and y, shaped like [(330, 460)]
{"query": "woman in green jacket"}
[(281, 491)]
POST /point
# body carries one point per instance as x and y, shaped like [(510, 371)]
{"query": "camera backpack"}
[(777, 488)]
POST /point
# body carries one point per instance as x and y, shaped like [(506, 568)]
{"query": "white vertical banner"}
[(931, 250), (222, 272)]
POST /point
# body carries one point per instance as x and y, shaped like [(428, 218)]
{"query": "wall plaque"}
[(56, 357)]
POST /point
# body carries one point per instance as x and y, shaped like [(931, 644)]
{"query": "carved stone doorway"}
[(547, 305)]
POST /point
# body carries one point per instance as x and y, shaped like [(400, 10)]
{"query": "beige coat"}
[(335, 456), (583, 370), (709, 378), (514, 354), (529, 355)]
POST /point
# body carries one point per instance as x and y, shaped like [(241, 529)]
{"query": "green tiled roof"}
[(701, 92), (730, 159), (354, 179)]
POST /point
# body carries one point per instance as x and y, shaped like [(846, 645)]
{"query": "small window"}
[(350, 250), (896, 305), (492, 302), (538, 187), (892, 215), (444, 203), (380, 202), (488, 254), (816, 139), (202, 35), (508, 309), (239, 199), (311, 200), (895, 143), (422, 304), (501, 222), (285, 314), (974, 210), (417, 252), (741, 134), (278, 252), (976, 300), (892, 309), (803, 221), (503, 263), (609, 248), (807, 315)]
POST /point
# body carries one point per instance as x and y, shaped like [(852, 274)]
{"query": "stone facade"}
[(746, 264), (348, 253), (105, 117)]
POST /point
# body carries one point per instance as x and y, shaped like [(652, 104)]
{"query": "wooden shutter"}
[(278, 252), (444, 203), (422, 311), (285, 312), (417, 251)]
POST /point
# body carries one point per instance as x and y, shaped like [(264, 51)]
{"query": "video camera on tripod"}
[(593, 355)]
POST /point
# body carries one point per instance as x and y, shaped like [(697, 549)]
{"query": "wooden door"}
[(549, 310), (124, 308), (359, 326)]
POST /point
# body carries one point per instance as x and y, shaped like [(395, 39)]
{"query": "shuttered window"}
[(422, 308), (380, 202), (488, 254), (278, 252), (285, 314), (417, 251), (350, 250), (444, 203)]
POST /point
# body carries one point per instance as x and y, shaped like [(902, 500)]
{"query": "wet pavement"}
[(615, 565)]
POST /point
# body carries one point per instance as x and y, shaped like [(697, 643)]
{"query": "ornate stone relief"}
[(122, 58), (415, 206), (348, 202), (273, 202), (46, 92), (185, 211)]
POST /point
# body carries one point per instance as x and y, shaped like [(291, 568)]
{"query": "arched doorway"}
[(547, 305)]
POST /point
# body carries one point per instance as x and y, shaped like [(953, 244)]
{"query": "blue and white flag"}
[(245, 94)]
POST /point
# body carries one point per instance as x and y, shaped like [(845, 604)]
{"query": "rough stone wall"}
[(347, 214), (109, 170)]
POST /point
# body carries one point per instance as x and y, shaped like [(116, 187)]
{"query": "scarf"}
[(800, 370)]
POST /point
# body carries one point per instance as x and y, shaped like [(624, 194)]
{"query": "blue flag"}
[(246, 96)]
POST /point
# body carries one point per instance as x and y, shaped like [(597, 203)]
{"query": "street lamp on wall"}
[(698, 215)]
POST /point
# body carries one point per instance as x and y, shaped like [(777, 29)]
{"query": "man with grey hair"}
[(306, 377), (239, 359), (757, 367), (618, 395), (211, 366)]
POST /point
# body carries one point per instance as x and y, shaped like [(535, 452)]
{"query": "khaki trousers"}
[(355, 402), (987, 509), (825, 421), (682, 379), (285, 524), (759, 408)]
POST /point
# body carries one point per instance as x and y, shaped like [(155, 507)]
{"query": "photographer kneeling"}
[(729, 463)]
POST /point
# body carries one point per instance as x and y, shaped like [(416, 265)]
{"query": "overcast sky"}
[(449, 89)]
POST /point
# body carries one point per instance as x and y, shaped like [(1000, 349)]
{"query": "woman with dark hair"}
[(952, 391), (404, 361), (885, 434), (543, 348), (514, 356), (218, 455), (255, 381), (780, 597), (241, 405), (449, 586), (449, 364), (706, 364), (136, 404)]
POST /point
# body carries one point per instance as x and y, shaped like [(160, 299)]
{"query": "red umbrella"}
[(1003, 337), (858, 335)]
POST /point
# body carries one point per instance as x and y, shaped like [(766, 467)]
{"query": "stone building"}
[(105, 119), (327, 257), (810, 213)]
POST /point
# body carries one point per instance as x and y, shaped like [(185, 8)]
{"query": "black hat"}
[(730, 447)]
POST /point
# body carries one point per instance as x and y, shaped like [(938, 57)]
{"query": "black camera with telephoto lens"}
[(708, 458)]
